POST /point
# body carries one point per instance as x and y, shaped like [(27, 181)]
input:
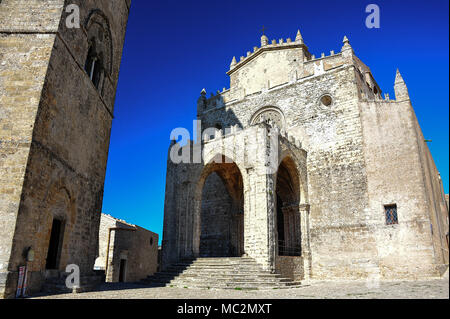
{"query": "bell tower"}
[(57, 88)]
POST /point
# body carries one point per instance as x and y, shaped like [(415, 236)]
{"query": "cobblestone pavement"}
[(434, 289)]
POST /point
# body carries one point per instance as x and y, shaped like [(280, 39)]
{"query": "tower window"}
[(93, 67), (391, 214)]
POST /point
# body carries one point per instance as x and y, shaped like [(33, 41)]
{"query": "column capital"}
[(304, 207)]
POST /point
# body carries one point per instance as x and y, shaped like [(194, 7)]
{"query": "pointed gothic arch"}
[(99, 58), (288, 198), (222, 232), (266, 113)]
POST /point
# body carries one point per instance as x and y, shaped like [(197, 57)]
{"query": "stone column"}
[(240, 235), (271, 222), (306, 249), (298, 231), (260, 220)]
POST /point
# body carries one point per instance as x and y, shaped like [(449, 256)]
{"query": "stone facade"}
[(55, 122), (345, 158), (131, 251)]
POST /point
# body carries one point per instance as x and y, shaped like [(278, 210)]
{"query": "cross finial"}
[(263, 29)]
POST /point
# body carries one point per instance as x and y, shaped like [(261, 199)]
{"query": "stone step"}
[(232, 281), (217, 269), (221, 261), (194, 265), (247, 263), (227, 281), (215, 265), (221, 273), (218, 275), (205, 263), (217, 284), (214, 272), (230, 264), (227, 274), (225, 278), (235, 285)]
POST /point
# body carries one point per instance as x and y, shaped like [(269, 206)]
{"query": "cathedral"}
[(301, 170), (305, 167)]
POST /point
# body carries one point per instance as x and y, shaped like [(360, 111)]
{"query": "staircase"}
[(219, 272)]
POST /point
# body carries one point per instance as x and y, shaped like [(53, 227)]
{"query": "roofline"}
[(118, 220), (128, 224), (270, 47)]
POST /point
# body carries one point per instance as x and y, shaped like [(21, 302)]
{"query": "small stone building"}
[(57, 89), (127, 253), (303, 165)]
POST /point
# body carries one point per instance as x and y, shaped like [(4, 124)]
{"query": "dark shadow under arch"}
[(288, 199), (221, 211)]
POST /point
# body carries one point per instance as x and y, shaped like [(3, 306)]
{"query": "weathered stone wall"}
[(247, 149), (24, 61), (447, 200), (336, 180), (401, 171), (364, 152), (290, 267), (136, 245), (67, 131), (20, 16), (269, 69), (437, 209), (142, 255), (393, 163), (106, 222), (215, 238)]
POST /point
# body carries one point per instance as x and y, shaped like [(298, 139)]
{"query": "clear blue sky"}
[(173, 49)]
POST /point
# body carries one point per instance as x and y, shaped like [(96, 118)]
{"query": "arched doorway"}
[(57, 222), (288, 216), (222, 211)]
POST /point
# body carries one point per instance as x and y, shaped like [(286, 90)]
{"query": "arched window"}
[(99, 58), (94, 66)]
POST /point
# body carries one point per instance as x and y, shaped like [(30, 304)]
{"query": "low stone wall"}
[(290, 267)]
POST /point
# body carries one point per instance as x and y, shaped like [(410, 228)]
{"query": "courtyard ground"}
[(430, 289)]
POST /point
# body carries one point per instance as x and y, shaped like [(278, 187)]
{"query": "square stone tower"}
[(57, 89), (355, 193)]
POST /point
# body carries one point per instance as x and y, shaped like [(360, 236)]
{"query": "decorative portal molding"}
[(269, 114)]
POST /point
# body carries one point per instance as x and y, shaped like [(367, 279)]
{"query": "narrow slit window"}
[(93, 67), (391, 214)]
